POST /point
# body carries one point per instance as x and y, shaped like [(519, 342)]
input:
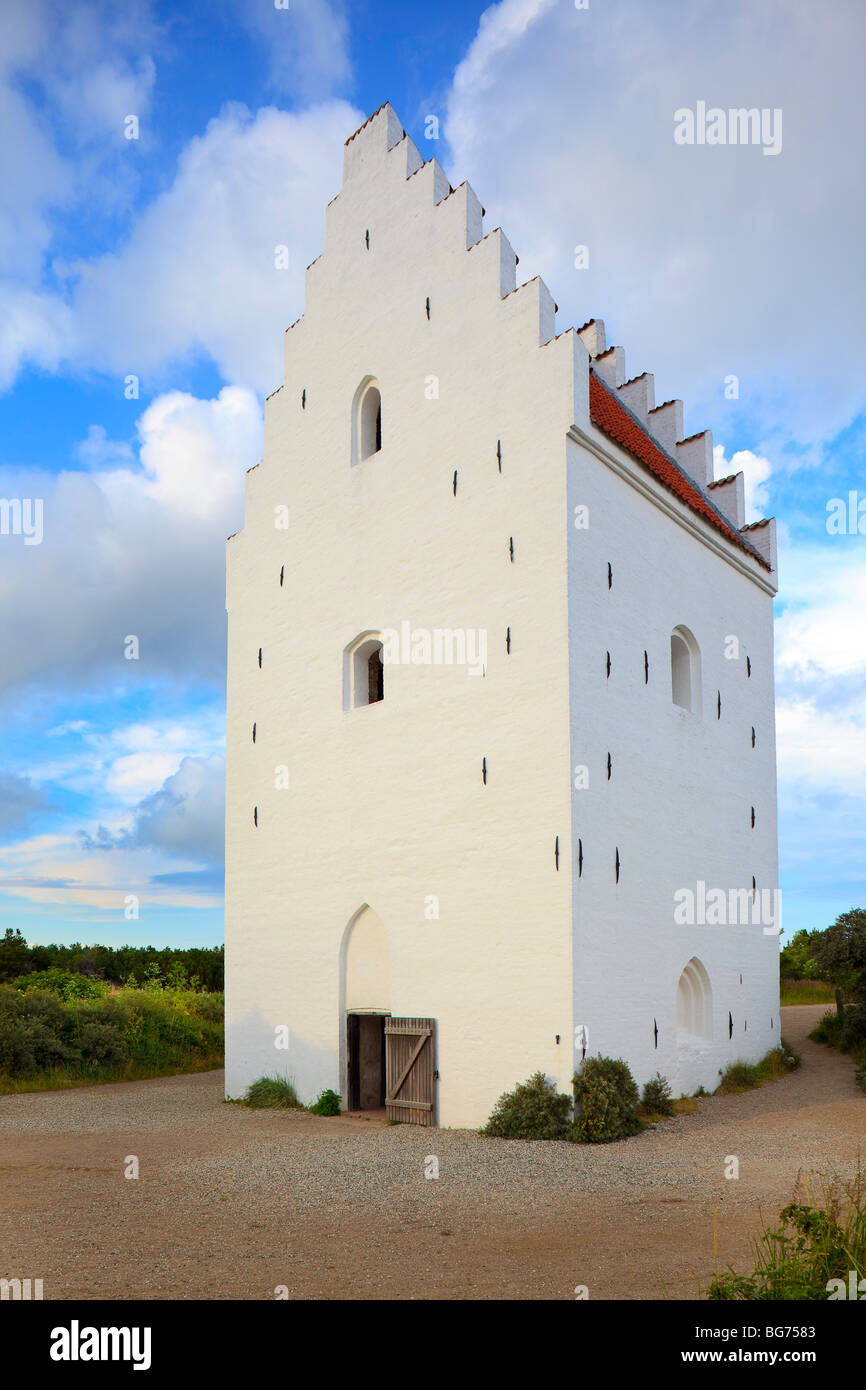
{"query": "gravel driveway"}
[(231, 1203)]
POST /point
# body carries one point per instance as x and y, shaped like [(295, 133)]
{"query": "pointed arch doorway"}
[(366, 970)]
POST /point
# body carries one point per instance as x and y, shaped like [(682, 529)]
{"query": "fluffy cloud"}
[(187, 815), (756, 475), (68, 77), (199, 273), (132, 551), (821, 635), (196, 275), (307, 45), (705, 261)]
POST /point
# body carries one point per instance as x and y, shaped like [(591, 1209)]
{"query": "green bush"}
[(828, 1029), (104, 1044), (607, 1097), (67, 984), (853, 1030), (47, 1008), (533, 1110), (28, 1046), (657, 1098), (860, 1075), (211, 1007), (327, 1104), (272, 1093), (49, 1041)]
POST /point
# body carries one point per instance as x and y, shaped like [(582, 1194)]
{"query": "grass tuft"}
[(812, 1246), (745, 1076), (272, 1093)]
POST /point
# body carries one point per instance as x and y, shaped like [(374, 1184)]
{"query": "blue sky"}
[(152, 258)]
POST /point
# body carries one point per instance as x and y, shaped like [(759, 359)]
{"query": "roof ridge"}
[(645, 448)]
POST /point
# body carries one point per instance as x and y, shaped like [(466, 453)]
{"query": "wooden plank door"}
[(410, 1066)]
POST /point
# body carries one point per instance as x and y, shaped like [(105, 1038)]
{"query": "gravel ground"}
[(231, 1203)]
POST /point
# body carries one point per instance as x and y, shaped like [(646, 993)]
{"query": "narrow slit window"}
[(685, 670), (484, 771), (304, 399), (254, 733), (556, 854), (607, 664), (609, 575), (617, 864), (454, 483), (646, 668), (508, 640), (368, 423), (511, 549), (427, 306), (375, 676)]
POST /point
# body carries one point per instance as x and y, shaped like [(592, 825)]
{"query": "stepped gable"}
[(614, 420)]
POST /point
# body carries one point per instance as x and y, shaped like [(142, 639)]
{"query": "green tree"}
[(840, 955), (14, 954), (796, 960)]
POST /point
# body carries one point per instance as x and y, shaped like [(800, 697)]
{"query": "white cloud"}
[(704, 261), (307, 45), (756, 475), (821, 635), (823, 747), (198, 273), (68, 76), (132, 551), (187, 815)]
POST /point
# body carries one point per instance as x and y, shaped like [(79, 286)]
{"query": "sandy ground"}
[(231, 1203)]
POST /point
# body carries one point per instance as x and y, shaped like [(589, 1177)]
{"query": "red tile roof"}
[(614, 420)]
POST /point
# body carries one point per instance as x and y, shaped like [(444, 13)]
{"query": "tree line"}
[(201, 966)]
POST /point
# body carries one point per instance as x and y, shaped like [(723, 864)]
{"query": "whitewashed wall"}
[(385, 805)]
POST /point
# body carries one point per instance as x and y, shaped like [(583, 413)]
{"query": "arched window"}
[(694, 1003), (685, 670), (363, 672), (366, 421)]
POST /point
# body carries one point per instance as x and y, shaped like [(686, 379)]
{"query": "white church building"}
[(500, 749)]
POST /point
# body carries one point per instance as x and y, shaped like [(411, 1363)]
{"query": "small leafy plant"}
[(327, 1104), (809, 1254), (657, 1098)]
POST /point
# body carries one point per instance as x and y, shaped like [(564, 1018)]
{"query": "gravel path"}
[(231, 1203)]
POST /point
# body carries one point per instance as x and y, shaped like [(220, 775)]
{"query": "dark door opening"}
[(366, 1061)]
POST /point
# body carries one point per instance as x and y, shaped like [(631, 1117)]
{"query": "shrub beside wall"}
[(533, 1110), (607, 1100)]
